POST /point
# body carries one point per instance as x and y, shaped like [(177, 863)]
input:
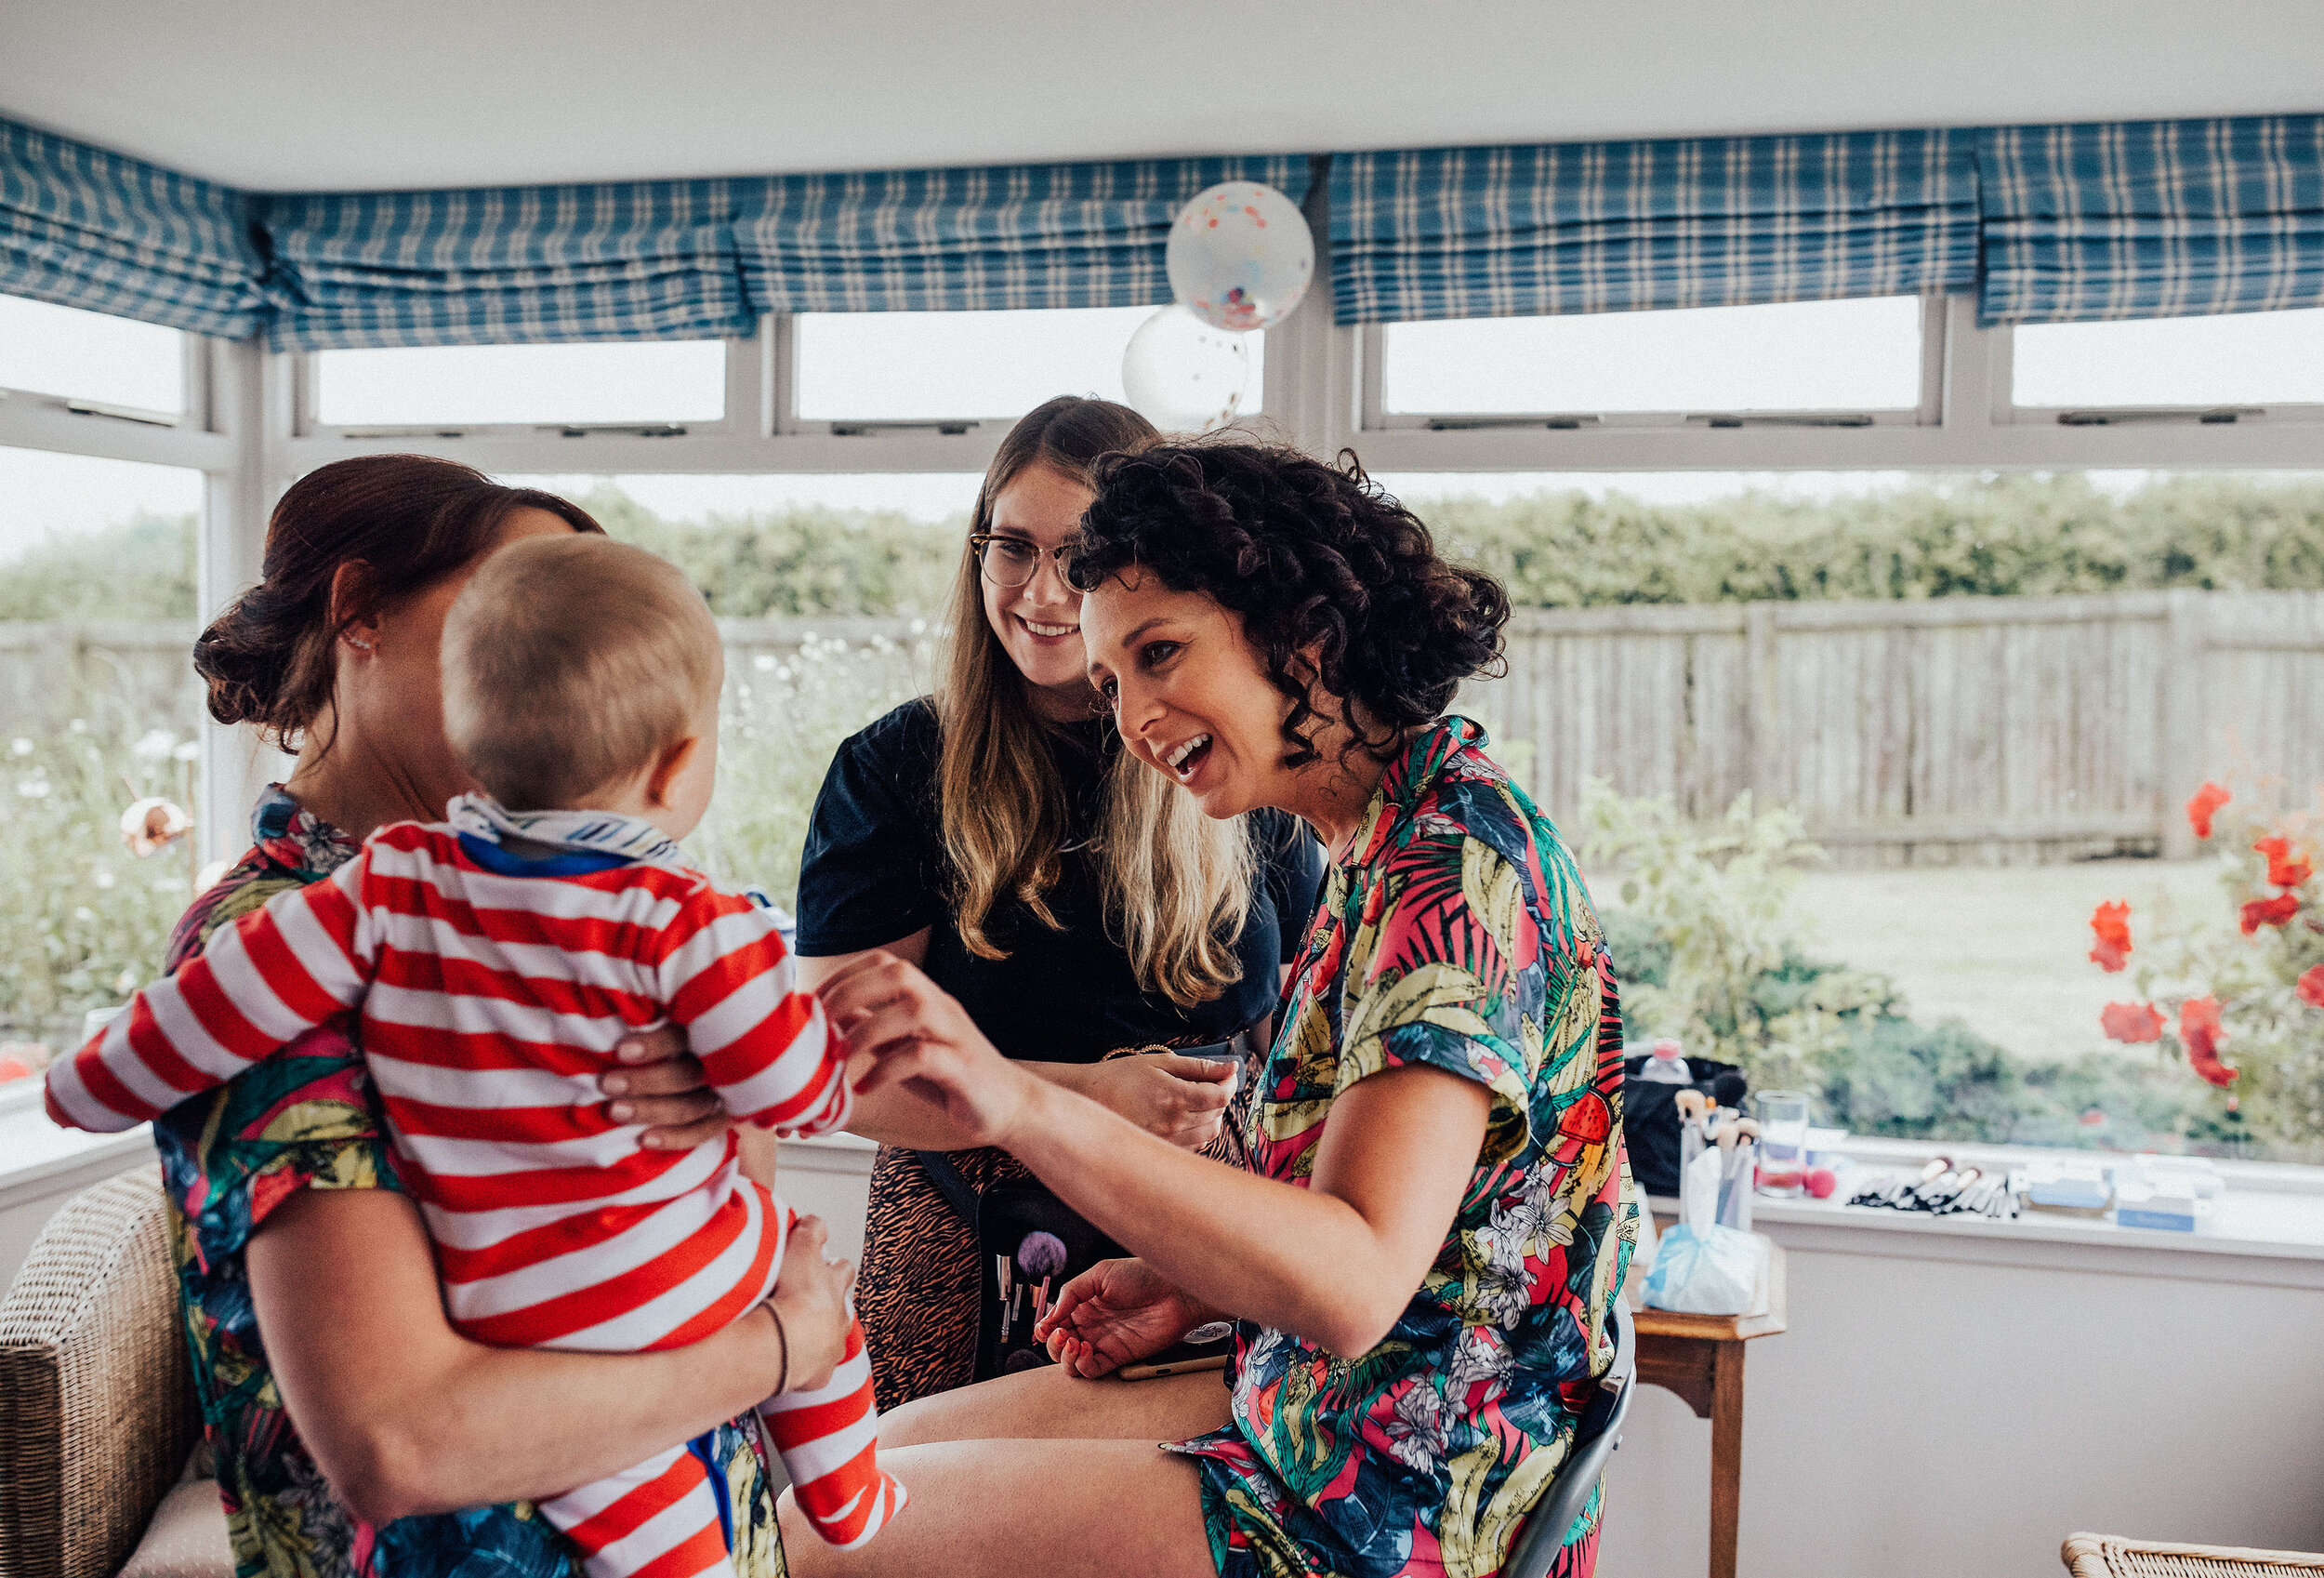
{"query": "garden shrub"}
[(2235, 991), (1708, 948), (83, 922)]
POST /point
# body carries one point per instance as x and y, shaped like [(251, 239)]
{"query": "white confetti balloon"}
[(1183, 376), (1239, 255)]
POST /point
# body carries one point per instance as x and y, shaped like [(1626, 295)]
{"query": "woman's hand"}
[(1116, 1313), (1181, 1099), (661, 1085), (915, 1033), (810, 1294)]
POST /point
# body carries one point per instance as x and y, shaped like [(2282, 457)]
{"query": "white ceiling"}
[(299, 95)]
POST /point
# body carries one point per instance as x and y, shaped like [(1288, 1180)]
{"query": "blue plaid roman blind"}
[(2152, 219), (85, 228), (1472, 232), (953, 240), (631, 261)]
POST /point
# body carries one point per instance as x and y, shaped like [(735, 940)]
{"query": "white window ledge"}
[(35, 1154), (2266, 1228)]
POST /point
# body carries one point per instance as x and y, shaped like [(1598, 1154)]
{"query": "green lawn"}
[(2005, 950)]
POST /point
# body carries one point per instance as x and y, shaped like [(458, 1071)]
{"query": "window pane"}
[(1956, 797), (2229, 359), (98, 707), (1792, 356), (90, 356), (917, 366), (677, 380)]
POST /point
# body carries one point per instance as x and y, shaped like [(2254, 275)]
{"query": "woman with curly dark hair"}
[(1420, 1263)]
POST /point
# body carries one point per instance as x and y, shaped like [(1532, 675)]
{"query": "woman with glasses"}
[(1419, 1261), (995, 835)]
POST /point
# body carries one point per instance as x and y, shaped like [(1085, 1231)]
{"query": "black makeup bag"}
[(1029, 1243)]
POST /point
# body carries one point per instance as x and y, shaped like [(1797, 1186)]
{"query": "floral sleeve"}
[(1472, 953)]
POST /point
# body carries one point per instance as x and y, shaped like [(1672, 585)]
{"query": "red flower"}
[(2208, 799), (2198, 1028), (2309, 989), (2269, 912), (2131, 1022), (2112, 923), (2284, 869)]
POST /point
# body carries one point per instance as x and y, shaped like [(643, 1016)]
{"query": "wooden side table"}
[(1701, 1356)]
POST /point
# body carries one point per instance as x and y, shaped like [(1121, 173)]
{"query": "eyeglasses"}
[(1011, 561)]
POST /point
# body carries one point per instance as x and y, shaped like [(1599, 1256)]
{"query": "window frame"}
[(1967, 420), (31, 418), (742, 397), (2290, 415), (194, 376), (1925, 412), (1322, 391)]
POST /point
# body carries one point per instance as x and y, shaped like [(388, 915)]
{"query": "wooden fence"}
[(1973, 729), (1999, 730)]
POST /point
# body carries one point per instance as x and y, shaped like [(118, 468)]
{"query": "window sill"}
[(38, 1158), (2267, 1228)]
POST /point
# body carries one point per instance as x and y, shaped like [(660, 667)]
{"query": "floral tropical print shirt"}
[(1456, 934), (307, 1120)]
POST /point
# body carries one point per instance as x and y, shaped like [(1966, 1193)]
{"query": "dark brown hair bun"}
[(405, 521)]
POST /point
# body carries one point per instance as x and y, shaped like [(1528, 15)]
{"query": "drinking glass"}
[(1782, 1142)]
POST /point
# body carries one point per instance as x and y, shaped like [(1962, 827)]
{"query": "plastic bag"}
[(1712, 1272), (1700, 1267)]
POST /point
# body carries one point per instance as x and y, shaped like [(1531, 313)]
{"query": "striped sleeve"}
[(256, 985), (763, 1043)]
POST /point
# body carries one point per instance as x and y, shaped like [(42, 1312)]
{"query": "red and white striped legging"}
[(660, 1519)]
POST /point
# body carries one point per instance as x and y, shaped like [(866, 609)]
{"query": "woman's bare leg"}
[(1049, 1404), (1005, 1508)]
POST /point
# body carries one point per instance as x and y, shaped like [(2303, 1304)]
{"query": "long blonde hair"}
[(1177, 885)]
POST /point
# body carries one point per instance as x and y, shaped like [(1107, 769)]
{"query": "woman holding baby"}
[(1419, 1261), (355, 1429)]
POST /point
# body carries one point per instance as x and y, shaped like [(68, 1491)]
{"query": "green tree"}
[(801, 562)]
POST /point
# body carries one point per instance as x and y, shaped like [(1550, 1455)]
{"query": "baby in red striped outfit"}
[(494, 962)]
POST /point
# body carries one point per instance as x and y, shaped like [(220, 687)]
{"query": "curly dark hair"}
[(1312, 556)]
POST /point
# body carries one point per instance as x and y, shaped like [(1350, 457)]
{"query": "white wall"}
[(1936, 1419)]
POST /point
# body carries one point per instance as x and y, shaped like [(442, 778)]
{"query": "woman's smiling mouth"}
[(1046, 631), (1185, 759)]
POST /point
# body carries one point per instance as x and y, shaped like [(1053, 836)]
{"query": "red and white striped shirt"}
[(491, 995)]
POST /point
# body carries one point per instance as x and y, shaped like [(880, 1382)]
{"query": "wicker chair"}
[(2103, 1556), (96, 1407)]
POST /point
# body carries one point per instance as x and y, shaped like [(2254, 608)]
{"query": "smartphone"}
[(1156, 1367), (1205, 1348)]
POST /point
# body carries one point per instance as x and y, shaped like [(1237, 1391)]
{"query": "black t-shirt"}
[(875, 871)]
